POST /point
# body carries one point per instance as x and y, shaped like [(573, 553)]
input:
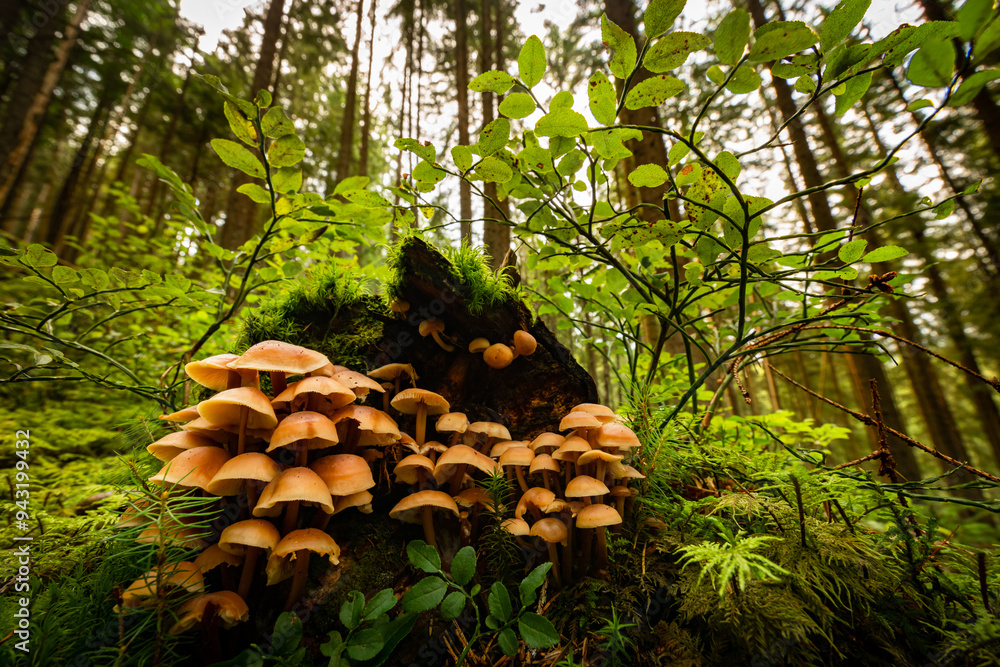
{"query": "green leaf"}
[(287, 179), (463, 566), (671, 51), (423, 556), (885, 254), (351, 610), (920, 104), (972, 189), (276, 124), (262, 99), (660, 16), (462, 157), (933, 65), (688, 174), (988, 41), (286, 151), (425, 152), (367, 199), (381, 602), (561, 123), (494, 136), (425, 594), (841, 21), (904, 39), (619, 41), (531, 62), (493, 170), (365, 644), (537, 631), (716, 75), (517, 105), (507, 640), (291, 269), (775, 40), (601, 94), (562, 100), (499, 602), (38, 255), (731, 36), (351, 183), (64, 274), (531, 583), (653, 91), (608, 144), (427, 176), (852, 251), (287, 633), (255, 192), (795, 66), (648, 176), (844, 57), (240, 124), (570, 163), (94, 278), (746, 80), (971, 86), (973, 15), (238, 156), (729, 165), (854, 89), (453, 605), (492, 82), (677, 153)]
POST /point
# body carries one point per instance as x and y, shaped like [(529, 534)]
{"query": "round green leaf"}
[(423, 556), (731, 36), (286, 151), (425, 594), (653, 91), (492, 82), (885, 254), (508, 642), (537, 631), (648, 176), (601, 94), (531, 62), (517, 105), (463, 566), (561, 123), (851, 251), (365, 644), (660, 16), (238, 156), (493, 170), (774, 41), (671, 51), (933, 65), (453, 605), (494, 136)]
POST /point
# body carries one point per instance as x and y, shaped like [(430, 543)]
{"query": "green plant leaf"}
[(601, 94), (884, 254), (287, 633), (493, 170), (623, 46), (746, 80), (287, 179), (238, 156), (276, 124), (561, 100), (677, 153), (526, 589), (381, 602), (262, 99), (423, 556), (367, 199), (64, 274), (841, 21), (536, 158), (425, 152), (648, 176), (427, 176), (453, 605), (653, 91), (729, 165), (365, 644), (462, 157), (971, 86), (561, 123), (731, 36), (971, 18), (425, 594), (933, 65), (900, 42), (38, 255), (507, 640), (688, 174), (854, 90), (671, 51), (499, 602), (286, 151), (571, 163), (531, 62), (517, 105), (94, 278), (493, 81), (241, 126), (775, 40), (852, 251), (255, 192), (660, 16), (351, 610), (494, 136), (463, 566), (537, 631)]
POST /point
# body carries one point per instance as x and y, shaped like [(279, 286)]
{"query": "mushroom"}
[(455, 423), (248, 538), (551, 530), (452, 464), (604, 414), (228, 607), (144, 590), (297, 546), (415, 469), (534, 500), (546, 465), (246, 407), (586, 487), (280, 359), (243, 472), (344, 475), (549, 442), (303, 431), (617, 437), (498, 356), (193, 468), (393, 373), (492, 431), (600, 458), (570, 451), (598, 516), (183, 415), (360, 384), (419, 507), (217, 557), (478, 345), (215, 374), (435, 327), (579, 422), (421, 403), (518, 528), (517, 457), (524, 343), (172, 444), (399, 307), (287, 490), (362, 426), (499, 448), (317, 394)]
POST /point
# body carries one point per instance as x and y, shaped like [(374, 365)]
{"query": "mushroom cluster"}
[(501, 355), (282, 465)]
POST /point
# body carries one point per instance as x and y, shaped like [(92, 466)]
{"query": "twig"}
[(887, 464), (802, 512)]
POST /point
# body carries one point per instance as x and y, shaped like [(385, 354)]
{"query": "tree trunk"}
[(490, 212), (13, 157), (350, 103), (496, 234), (286, 37), (462, 93), (366, 118), (241, 212), (166, 146)]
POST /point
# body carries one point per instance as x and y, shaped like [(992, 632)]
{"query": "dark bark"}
[(462, 95), (496, 234), (490, 212), (350, 102), (366, 118)]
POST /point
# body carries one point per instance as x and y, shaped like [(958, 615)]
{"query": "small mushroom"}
[(227, 607), (248, 538), (280, 359), (478, 345), (524, 343), (419, 508), (399, 307), (498, 356), (552, 531), (288, 490), (435, 327), (598, 516), (297, 546), (421, 403)]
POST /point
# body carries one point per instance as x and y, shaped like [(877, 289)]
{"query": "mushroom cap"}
[(393, 371), (408, 509), (571, 448), (456, 456), (543, 462), (375, 427), (287, 550), (628, 472), (429, 446), (399, 305), (538, 496), (260, 533), (362, 500), (213, 372), (275, 355), (407, 400), (232, 476), (294, 484), (616, 435), (620, 491), (358, 383), (559, 505), (524, 342), (220, 434), (549, 529), (316, 430), (406, 470), (499, 448), (194, 467), (344, 474), (547, 440), (583, 486), (517, 456), (214, 556), (229, 608), (597, 515), (498, 356), (575, 420), (143, 590), (183, 415), (429, 326), (478, 345), (472, 496), (334, 393), (597, 454), (172, 444), (604, 414), (224, 408), (452, 422), (489, 429), (516, 526)]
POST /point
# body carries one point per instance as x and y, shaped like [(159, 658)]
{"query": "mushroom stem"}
[(456, 479), (427, 518), (321, 521), (545, 480), (299, 579), (443, 345), (519, 471), (554, 559), (278, 383), (210, 633), (301, 454), (249, 565), (568, 553), (588, 540), (241, 444), (291, 517), (252, 495), (421, 423), (233, 380), (602, 549)]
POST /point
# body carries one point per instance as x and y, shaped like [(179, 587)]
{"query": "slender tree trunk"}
[(240, 210), (462, 94), (14, 157), (350, 102), (166, 147), (366, 118), (286, 37), (495, 233), (490, 211)]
